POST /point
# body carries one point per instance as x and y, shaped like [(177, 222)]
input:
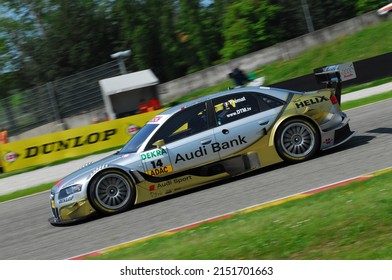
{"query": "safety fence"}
[(73, 95)]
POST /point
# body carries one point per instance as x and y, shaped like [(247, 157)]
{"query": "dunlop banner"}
[(71, 143)]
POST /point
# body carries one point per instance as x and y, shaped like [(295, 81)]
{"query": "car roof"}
[(274, 92)]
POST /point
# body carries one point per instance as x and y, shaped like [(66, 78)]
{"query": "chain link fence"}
[(73, 95)]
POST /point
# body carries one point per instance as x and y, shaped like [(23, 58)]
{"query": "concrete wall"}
[(252, 61)]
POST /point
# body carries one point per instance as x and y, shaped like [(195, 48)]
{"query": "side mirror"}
[(159, 143)]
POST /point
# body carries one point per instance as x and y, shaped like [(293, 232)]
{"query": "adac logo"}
[(133, 129), (11, 157)]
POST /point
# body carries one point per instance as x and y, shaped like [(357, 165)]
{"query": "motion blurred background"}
[(52, 51)]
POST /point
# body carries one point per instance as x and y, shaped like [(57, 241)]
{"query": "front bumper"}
[(70, 213)]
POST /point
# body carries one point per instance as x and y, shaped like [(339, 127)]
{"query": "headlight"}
[(70, 190)]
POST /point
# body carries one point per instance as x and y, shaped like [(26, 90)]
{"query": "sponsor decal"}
[(11, 157), (66, 199), (69, 143), (168, 187), (232, 103), (239, 111), (216, 147), (170, 183), (156, 119), (240, 140), (153, 154), (164, 184), (311, 101), (331, 68), (182, 179), (160, 170), (328, 141), (133, 129), (238, 100), (200, 152)]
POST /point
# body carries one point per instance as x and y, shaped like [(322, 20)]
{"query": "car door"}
[(186, 139), (242, 119)]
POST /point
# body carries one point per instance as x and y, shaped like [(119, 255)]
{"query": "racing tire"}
[(297, 140), (111, 192)]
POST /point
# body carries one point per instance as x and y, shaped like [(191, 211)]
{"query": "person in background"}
[(143, 106), (153, 104), (238, 77), (3, 136)]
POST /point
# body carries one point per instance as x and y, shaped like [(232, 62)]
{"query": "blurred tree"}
[(328, 12), (44, 40), (51, 39), (148, 28), (290, 22), (363, 6), (191, 31), (246, 27), (212, 22)]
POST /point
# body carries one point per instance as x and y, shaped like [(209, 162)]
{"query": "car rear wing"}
[(335, 75)]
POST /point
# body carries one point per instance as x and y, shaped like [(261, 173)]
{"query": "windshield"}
[(136, 141)]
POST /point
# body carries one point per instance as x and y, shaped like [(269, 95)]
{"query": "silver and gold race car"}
[(204, 140)]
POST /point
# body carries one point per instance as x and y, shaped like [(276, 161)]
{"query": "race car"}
[(204, 140), (384, 10)]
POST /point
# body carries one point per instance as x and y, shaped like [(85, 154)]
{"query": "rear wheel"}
[(297, 140), (112, 192)]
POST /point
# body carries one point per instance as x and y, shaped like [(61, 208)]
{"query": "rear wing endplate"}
[(335, 75)]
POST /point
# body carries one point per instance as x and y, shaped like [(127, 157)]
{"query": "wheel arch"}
[(113, 168), (288, 118)]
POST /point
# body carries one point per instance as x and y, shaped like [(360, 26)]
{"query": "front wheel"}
[(297, 140), (111, 192)]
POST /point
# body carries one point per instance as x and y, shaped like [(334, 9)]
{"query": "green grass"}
[(351, 222), (367, 100), (366, 85), (26, 192)]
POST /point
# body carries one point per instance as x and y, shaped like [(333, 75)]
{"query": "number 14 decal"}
[(156, 164)]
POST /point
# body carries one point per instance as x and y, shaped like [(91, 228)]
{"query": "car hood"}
[(90, 168)]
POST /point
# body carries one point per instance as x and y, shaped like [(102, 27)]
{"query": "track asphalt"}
[(54, 173)]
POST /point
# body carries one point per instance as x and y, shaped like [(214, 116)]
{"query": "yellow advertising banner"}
[(71, 143)]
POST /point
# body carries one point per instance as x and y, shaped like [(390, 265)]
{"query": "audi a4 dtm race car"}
[(204, 140)]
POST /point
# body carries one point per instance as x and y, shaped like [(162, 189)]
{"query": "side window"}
[(270, 102), (235, 106), (187, 122)]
